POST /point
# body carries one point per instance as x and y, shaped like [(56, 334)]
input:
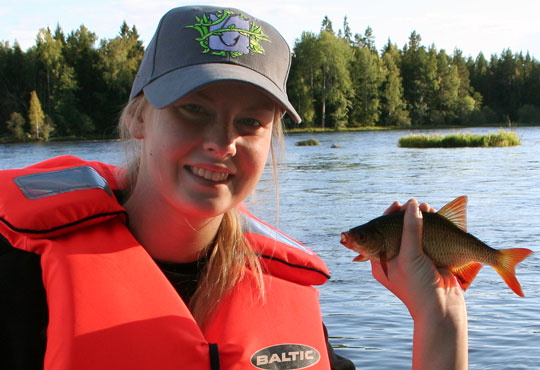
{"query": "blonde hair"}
[(231, 253)]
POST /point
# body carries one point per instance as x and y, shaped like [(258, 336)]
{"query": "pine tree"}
[(413, 67), (367, 76), (393, 108), (81, 55), (347, 34), (327, 25), (367, 41)]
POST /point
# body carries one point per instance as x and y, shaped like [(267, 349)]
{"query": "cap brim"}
[(170, 87)]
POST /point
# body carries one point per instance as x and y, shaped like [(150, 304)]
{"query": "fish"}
[(444, 239)]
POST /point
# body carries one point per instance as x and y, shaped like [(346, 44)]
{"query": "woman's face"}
[(204, 154)]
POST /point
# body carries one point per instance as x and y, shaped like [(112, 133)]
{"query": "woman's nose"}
[(220, 140)]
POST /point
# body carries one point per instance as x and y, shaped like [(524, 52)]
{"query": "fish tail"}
[(508, 259)]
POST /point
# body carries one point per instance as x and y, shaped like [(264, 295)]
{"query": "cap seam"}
[(158, 34)]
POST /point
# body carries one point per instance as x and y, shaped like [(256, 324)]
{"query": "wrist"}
[(440, 335)]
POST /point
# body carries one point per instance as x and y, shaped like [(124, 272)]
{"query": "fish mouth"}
[(345, 239)]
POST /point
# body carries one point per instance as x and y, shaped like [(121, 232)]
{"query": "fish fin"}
[(360, 258), (465, 274), (456, 212), (508, 259), (384, 264)]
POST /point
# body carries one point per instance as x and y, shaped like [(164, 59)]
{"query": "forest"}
[(74, 85)]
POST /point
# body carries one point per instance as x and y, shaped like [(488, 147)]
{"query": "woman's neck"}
[(165, 233)]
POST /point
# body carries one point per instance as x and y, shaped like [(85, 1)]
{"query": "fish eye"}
[(362, 237)]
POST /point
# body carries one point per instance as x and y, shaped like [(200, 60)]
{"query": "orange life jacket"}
[(110, 306)]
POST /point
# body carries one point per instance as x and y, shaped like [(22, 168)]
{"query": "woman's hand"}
[(433, 296)]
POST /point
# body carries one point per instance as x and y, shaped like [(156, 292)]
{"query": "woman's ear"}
[(135, 124)]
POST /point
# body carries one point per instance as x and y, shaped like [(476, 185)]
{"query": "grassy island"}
[(309, 142), (460, 140)]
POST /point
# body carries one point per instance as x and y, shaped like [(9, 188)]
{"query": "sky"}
[(473, 26)]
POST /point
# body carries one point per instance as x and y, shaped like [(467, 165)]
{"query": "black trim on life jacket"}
[(294, 265), (214, 356), (70, 224)]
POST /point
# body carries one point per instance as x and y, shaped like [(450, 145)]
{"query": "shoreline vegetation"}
[(72, 86)]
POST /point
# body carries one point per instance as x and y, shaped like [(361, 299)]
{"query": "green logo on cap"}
[(226, 33)]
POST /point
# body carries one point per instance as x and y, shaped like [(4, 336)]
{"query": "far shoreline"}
[(293, 131), (316, 130)]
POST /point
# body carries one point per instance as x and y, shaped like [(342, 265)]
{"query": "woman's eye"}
[(192, 108), (249, 122)]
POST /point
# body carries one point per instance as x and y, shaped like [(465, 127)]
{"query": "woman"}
[(160, 266)]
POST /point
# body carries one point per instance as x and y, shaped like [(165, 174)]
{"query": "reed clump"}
[(460, 140)]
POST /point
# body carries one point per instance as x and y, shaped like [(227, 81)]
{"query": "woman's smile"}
[(210, 175)]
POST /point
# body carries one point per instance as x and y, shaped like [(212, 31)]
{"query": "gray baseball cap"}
[(197, 45)]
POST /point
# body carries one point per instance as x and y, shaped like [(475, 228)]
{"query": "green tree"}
[(469, 100), (333, 85), (60, 84), (81, 55), (367, 76), (393, 107), (459, 61), (479, 76), (413, 56), (420, 80), (119, 61), (530, 84), (430, 83), (15, 125), (367, 40), (17, 78), (327, 25), (506, 85), (302, 77), (36, 116), (447, 99), (347, 34)]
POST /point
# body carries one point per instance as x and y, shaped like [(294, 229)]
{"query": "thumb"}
[(411, 237)]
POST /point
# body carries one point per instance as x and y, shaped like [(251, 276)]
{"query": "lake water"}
[(325, 190)]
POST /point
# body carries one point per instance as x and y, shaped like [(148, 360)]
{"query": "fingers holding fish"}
[(397, 206), (394, 207)]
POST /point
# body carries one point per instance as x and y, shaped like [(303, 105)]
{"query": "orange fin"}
[(360, 258), (508, 259), (384, 264), (456, 212), (465, 274)]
